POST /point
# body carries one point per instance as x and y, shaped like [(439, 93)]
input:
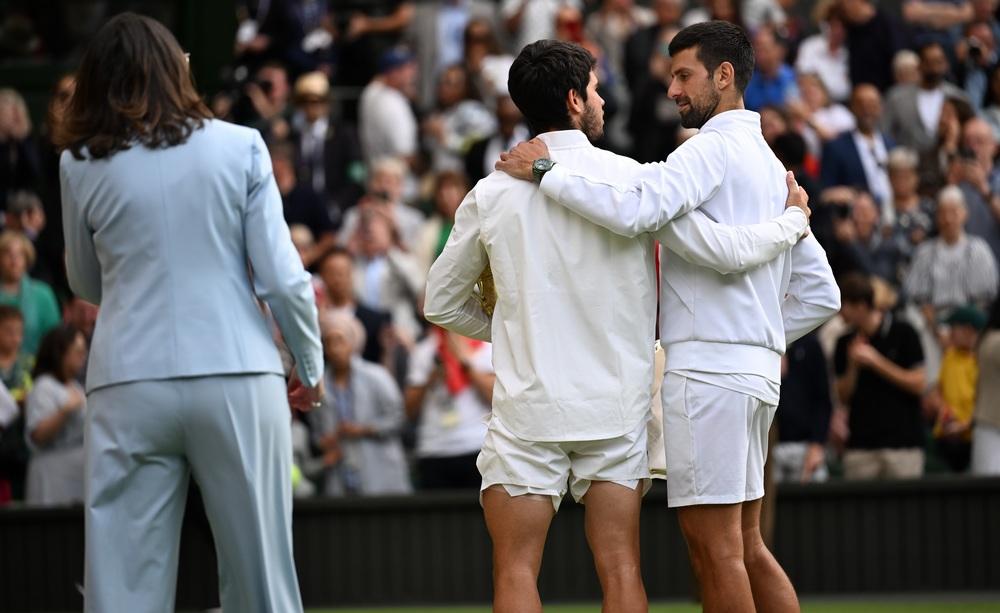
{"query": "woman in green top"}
[(32, 297)]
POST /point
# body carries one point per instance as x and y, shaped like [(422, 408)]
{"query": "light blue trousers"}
[(142, 441)]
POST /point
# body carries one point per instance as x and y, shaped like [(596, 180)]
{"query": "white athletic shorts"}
[(716, 443), (549, 469)]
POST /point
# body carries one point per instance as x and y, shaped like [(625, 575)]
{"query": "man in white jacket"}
[(572, 335), (724, 334)]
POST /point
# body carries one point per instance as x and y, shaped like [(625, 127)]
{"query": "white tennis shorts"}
[(716, 443), (549, 469)]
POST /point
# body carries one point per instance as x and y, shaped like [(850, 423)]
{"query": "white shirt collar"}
[(735, 117), (565, 139)]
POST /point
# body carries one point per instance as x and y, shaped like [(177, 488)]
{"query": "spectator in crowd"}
[(449, 189), (457, 121), (991, 104), (328, 152), (531, 20), (449, 393), (297, 32), (953, 269), (906, 67), (975, 172), (357, 428), (986, 419), (367, 33), (386, 121), (20, 165), (954, 398), (439, 37), (722, 10), (301, 204), (34, 298), (266, 105), (873, 39), (15, 376), (15, 364), (54, 417), (858, 158), (937, 21), (912, 112), (25, 214), (653, 115), (820, 118), (861, 244), (336, 269), (305, 245), (773, 81), (482, 155), (790, 149), (880, 378), (825, 53), (803, 417), (774, 122), (81, 315), (386, 182), (13, 451), (485, 61), (611, 25), (386, 276), (937, 163), (914, 213), (977, 56), (984, 11), (647, 42)]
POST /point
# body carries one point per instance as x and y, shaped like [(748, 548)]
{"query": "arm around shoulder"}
[(652, 197)]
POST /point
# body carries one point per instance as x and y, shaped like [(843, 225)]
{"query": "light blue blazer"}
[(164, 241)]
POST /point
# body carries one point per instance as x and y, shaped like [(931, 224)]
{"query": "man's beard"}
[(698, 114), (592, 123), (931, 81)]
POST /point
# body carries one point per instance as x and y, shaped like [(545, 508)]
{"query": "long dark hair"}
[(52, 350), (133, 87)]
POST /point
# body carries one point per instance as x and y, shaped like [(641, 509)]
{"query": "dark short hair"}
[(857, 288), (52, 350), (790, 149), (922, 49), (540, 78), (332, 252), (10, 312), (717, 42), (133, 87)]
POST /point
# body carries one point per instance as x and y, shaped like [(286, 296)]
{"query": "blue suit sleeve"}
[(279, 278), (83, 270)]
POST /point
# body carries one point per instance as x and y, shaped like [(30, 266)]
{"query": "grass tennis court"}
[(901, 606)]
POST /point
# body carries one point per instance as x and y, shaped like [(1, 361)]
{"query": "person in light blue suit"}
[(174, 227)]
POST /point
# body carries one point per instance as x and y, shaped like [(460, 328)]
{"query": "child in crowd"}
[(955, 397)]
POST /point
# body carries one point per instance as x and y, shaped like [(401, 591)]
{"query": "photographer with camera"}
[(854, 238), (976, 56)]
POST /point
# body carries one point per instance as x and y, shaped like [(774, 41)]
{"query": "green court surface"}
[(942, 606)]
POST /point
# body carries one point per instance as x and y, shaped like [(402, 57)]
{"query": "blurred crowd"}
[(381, 115)]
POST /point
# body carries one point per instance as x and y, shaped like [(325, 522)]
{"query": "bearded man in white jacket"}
[(572, 335), (724, 334)]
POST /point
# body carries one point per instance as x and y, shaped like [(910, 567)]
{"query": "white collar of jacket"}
[(565, 139), (734, 118)]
